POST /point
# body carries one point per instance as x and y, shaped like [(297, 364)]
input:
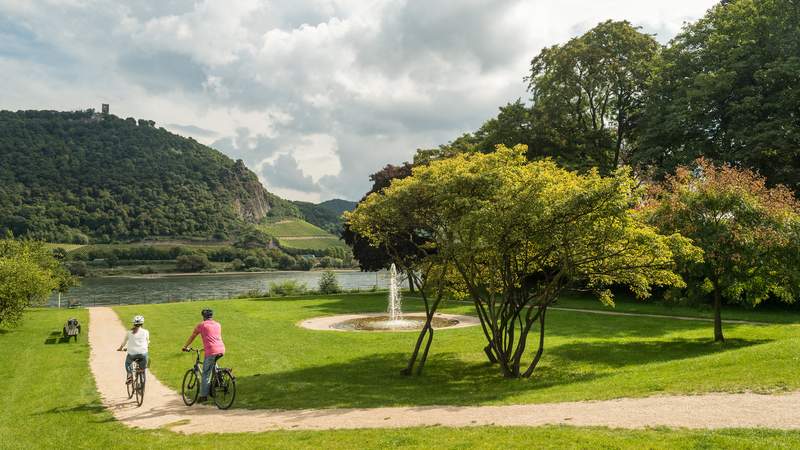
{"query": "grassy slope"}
[(588, 356), (294, 227), (50, 401), (302, 234)]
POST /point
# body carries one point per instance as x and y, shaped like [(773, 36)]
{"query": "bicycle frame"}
[(198, 370)]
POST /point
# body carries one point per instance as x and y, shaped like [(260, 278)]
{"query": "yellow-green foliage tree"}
[(748, 232), (28, 274), (517, 233)]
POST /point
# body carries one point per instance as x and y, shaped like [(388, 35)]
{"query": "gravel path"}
[(163, 407)]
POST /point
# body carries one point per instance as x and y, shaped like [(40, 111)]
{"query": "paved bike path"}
[(163, 407)]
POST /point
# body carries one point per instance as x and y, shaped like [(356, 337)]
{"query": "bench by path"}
[(163, 407)]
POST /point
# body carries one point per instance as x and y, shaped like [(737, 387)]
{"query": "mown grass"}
[(629, 304), (587, 356), (49, 401)]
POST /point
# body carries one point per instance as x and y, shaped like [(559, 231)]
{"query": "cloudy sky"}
[(313, 95)]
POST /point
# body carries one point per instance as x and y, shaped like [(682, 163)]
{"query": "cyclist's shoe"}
[(202, 399)]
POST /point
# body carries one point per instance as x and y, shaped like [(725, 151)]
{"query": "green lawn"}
[(49, 401), (293, 227), (632, 305), (587, 356)]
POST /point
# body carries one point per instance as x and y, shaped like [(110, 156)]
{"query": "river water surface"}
[(159, 289)]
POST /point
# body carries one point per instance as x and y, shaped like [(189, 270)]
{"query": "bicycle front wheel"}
[(139, 388), (130, 389), (224, 389), (190, 388)]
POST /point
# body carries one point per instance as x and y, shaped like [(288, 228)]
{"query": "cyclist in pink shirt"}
[(211, 332)]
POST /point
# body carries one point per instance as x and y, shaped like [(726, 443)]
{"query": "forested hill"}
[(66, 176)]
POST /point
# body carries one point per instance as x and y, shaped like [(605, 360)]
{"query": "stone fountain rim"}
[(326, 323)]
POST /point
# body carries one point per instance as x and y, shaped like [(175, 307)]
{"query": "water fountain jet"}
[(392, 320)]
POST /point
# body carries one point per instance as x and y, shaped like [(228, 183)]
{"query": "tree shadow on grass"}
[(622, 354), (98, 412), (375, 380), (57, 337), (574, 324)]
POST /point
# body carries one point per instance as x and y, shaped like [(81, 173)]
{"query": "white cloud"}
[(313, 95)]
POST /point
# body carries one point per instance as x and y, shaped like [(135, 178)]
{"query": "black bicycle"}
[(222, 387), (135, 385)]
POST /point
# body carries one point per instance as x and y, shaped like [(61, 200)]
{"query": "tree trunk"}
[(413, 359), (410, 282), (424, 358), (718, 337), (540, 350), (427, 329)]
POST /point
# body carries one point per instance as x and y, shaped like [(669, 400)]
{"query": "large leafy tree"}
[(28, 274), (516, 233), (376, 257), (728, 89), (748, 233), (587, 95)]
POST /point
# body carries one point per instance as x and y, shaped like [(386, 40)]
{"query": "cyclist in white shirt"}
[(138, 340)]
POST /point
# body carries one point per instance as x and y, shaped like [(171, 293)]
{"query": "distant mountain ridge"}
[(326, 215), (74, 176)]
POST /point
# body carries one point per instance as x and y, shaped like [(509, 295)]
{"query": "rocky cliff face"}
[(251, 203)]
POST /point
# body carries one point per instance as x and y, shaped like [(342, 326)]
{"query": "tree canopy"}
[(28, 274), (728, 89), (588, 92), (516, 233), (748, 233)]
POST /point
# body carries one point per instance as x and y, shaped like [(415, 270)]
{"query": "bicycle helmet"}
[(138, 320), (207, 313)]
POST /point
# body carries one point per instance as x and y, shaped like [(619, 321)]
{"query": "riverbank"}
[(198, 274)]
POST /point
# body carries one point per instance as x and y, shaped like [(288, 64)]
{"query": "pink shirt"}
[(211, 331)]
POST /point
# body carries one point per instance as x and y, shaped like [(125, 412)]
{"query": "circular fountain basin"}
[(382, 323)]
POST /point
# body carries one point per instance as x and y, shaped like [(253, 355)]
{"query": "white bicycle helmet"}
[(138, 320)]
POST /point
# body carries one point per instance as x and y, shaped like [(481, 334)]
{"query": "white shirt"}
[(137, 342)]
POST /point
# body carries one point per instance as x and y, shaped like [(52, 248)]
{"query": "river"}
[(160, 289)]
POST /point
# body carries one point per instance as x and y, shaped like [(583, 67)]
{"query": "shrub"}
[(288, 287), (254, 293), (78, 268), (328, 284), (191, 263), (237, 264)]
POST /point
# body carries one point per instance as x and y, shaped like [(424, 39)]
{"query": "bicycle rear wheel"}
[(190, 388), (140, 387), (129, 386), (224, 389)]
